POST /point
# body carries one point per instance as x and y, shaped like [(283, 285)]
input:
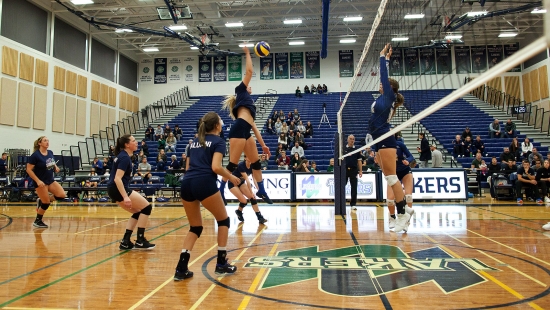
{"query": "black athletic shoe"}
[(239, 215), (125, 245), (183, 275), (225, 268), (261, 219), (39, 224), (144, 245), (264, 197)]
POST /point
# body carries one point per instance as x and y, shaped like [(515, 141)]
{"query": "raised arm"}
[(249, 67), (384, 76)]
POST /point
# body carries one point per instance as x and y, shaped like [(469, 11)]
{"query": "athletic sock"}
[(261, 188), (222, 256), (39, 217), (140, 233), (393, 216), (184, 261), (128, 234), (258, 214), (222, 186), (401, 207)]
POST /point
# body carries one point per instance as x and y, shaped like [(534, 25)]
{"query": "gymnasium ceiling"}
[(263, 20)]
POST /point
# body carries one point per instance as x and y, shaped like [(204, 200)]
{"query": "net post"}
[(339, 178), (547, 22)]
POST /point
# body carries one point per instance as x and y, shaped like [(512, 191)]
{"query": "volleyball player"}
[(198, 186), (241, 108), (382, 110), (244, 192), (119, 191), (41, 167), (404, 174)]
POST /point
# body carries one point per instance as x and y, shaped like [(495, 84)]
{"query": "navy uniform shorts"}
[(388, 143), (115, 195), (403, 173), (230, 185), (198, 188), (240, 129)]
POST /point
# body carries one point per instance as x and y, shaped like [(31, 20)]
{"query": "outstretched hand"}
[(385, 49), (246, 50), (266, 151), (388, 55)]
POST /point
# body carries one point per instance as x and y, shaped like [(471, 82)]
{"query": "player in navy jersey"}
[(204, 163), (244, 192), (41, 167), (404, 174), (119, 191), (242, 109), (382, 110)]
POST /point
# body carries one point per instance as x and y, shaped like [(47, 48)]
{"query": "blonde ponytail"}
[(36, 147), (229, 104)]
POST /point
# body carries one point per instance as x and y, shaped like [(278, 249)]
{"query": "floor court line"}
[(124, 220)]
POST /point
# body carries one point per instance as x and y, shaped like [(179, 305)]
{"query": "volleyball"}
[(261, 49)]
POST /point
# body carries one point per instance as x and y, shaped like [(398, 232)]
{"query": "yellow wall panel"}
[(103, 118), (526, 88), (42, 68), (9, 61), (94, 118), (104, 94), (534, 83), (24, 105), (511, 83), (543, 82), (96, 86), (112, 116), (59, 78), (70, 115), (58, 115), (82, 86), (8, 101), (122, 100), (112, 96), (81, 118), (71, 82), (129, 102), (26, 67), (40, 106)]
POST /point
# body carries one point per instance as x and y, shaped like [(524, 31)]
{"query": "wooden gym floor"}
[(456, 255)]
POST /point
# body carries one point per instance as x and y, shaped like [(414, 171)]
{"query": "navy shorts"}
[(198, 188), (240, 129), (230, 185), (403, 173), (388, 143), (115, 195)]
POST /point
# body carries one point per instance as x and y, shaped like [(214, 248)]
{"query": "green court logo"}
[(378, 268), (175, 68), (189, 68), (146, 70)]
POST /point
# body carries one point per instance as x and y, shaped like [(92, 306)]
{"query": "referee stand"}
[(339, 178)]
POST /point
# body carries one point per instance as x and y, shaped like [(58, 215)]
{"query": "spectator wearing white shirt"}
[(437, 157), (526, 148), (297, 149)]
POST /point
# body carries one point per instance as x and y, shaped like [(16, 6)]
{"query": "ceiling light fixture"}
[(347, 41), (507, 35), (234, 24), (194, 48), (353, 18), (121, 30), (292, 21), (246, 45), (453, 36), (79, 2), (477, 13), (178, 27), (400, 39), (414, 16), (538, 11), (296, 43), (151, 49)]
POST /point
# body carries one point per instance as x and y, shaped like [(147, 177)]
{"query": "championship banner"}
[(427, 61), (296, 65), (495, 54), (462, 60), (436, 184), (313, 65), (479, 59), (160, 71), (345, 60), (175, 72), (281, 66), (220, 69), (412, 63), (396, 63), (235, 68), (509, 50), (315, 186), (205, 69), (146, 68), (266, 68), (190, 67), (443, 60)]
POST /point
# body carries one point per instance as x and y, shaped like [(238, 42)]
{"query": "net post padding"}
[(340, 179), (518, 58), (377, 20)]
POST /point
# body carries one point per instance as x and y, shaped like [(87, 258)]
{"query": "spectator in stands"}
[(309, 130), (304, 166), (370, 162), (466, 133), (494, 129), (483, 167), (298, 92), (306, 89), (282, 117), (368, 138), (98, 166), (534, 156), (149, 133), (290, 138), (279, 150), (188, 146), (319, 89), (3, 164), (278, 127), (283, 161), (161, 160), (526, 148), (330, 167), (301, 128), (90, 183), (537, 165), (174, 164), (467, 147), (300, 139), (526, 179), (269, 127), (144, 170), (509, 169), (506, 157), (284, 128), (515, 148), (159, 132), (170, 143), (313, 89), (458, 147), (292, 126), (510, 129), (424, 150), (297, 149), (313, 167), (274, 117), (478, 146), (437, 157), (144, 148), (325, 89), (282, 141), (295, 162), (476, 163), (543, 180), (264, 162), (296, 116), (548, 155), (107, 164), (289, 118), (167, 131), (183, 162), (198, 125), (178, 132), (492, 168), (111, 151)]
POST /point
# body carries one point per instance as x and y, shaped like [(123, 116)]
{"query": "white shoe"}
[(546, 226), (392, 223), (401, 222), (546, 199), (409, 211), (354, 208)]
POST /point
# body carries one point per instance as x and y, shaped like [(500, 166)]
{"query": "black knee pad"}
[(44, 206), (59, 198), (197, 230), (136, 215), (231, 167), (256, 165), (147, 210), (225, 222), (242, 204), (253, 201)]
